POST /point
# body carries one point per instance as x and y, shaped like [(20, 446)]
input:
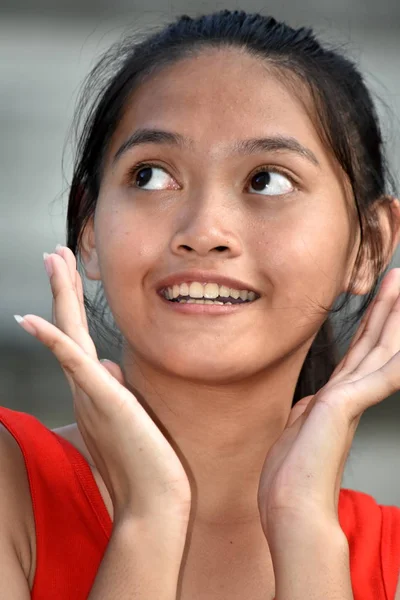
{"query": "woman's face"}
[(285, 233)]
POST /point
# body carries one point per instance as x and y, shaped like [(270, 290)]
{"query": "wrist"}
[(295, 527), (171, 527), (313, 557), (142, 560), (147, 542)]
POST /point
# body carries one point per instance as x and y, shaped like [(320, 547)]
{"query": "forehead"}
[(216, 98)]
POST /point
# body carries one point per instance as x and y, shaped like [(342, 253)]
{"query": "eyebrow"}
[(240, 147)]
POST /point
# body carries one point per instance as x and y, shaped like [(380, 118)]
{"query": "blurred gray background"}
[(46, 49)]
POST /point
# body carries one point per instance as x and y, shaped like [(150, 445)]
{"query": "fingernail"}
[(27, 326), (58, 248), (47, 264)]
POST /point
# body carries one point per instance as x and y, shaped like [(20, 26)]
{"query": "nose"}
[(208, 227)]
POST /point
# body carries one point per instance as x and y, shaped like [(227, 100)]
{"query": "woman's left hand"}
[(303, 471)]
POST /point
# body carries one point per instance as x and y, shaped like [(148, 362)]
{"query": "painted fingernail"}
[(27, 326), (47, 264)]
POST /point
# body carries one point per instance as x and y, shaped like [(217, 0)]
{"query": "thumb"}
[(298, 409), (113, 369)]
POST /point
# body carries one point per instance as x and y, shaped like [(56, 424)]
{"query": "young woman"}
[(229, 187)]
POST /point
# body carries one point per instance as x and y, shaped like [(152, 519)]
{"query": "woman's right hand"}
[(143, 475)]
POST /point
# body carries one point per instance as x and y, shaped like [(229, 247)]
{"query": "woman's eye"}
[(150, 173), (272, 182)]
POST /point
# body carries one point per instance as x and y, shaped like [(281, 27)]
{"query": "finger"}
[(346, 360), (70, 382), (58, 250), (80, 396), (372, 388), (114, 369), (388, 335), (372, 324), (81, 300), (387, 345), (67, 309), (53, 311), (363, 324), (48, 265), (88, 373), (298, 409), (69, 257)]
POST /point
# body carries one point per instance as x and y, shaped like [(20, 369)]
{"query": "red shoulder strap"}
[(72, 524)]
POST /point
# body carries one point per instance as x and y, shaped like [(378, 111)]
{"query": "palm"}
[(303, 470)]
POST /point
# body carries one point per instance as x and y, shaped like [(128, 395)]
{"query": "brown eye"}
[(272, 182), (143, 176), (148, 174)]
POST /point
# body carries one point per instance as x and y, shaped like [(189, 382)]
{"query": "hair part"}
[(342, 109)]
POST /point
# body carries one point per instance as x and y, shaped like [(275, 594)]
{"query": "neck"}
[(221, 431)]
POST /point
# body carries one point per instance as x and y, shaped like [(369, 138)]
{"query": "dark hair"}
[(344, 111)]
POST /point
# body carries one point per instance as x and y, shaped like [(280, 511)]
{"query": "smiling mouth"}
[(220, 300)]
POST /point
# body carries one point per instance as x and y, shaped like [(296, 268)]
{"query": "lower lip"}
[(205, 309)]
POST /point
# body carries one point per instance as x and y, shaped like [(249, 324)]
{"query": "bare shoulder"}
[(17, 539)]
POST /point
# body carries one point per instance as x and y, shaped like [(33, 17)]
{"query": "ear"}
[(88, 251), (388, 213)]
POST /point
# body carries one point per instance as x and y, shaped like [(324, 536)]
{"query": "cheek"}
[(306, 254), (127, 247)]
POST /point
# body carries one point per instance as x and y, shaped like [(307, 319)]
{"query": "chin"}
[(208, 369)]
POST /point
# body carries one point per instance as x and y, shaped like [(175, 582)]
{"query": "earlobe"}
[(391, 226), (360, 280), (364, 281), (395, 205), (91, 265), (88, 252), (388, 212)]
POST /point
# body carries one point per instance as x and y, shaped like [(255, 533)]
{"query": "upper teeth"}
[(206, 290)]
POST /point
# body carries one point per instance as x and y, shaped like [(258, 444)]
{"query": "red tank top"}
[(73, 526)]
